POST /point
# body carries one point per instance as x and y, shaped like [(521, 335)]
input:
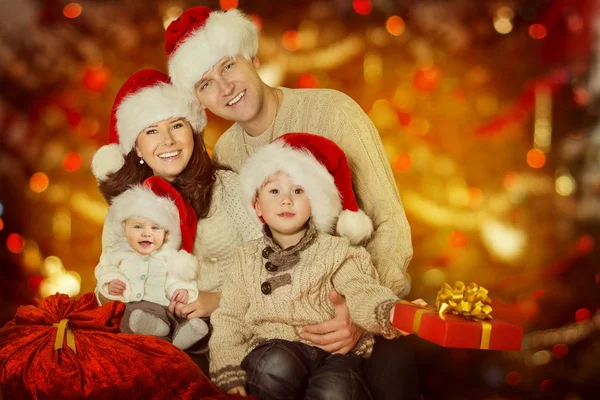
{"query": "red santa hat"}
[(200, 37), (145, 98), (321, 168)]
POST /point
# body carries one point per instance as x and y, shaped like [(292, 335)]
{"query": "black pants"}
[(392, 373), (284, 370)]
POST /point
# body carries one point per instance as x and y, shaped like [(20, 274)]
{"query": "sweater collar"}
[(287, 258)]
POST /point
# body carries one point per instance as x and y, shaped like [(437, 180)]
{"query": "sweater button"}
[(265, 287), (145, 258), (271, 267), (267, 251), (214, 259), (138, 295), (143, 277)]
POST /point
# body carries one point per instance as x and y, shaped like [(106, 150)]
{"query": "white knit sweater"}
[(247, 316), (226, 227), (336, 116)]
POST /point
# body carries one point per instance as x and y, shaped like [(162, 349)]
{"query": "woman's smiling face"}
[(166, 147)]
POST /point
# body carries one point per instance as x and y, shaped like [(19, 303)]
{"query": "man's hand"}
[(203, 306), (180, 296), (116, 287), (238, 390), (339, 334)]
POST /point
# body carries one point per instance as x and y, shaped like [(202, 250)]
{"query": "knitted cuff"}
[(364, 346), (382, 315), (229, 377)]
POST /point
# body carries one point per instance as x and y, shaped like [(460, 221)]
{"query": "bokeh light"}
[(71, 162), (15, 243), (308, 81), (537, 31), (1, 224), (402, 163), (72, 10), (228, 4), (458, 239), (39, 182), (395, 25), (513, 378), (560, 350), (291, 40), (583, 314), (536, 158), (362, 7)]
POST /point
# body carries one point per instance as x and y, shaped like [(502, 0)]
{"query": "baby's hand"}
[(116, 287), (180, 296), (238, 390)]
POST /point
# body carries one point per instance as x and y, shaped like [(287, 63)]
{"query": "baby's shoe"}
[(144, 323), (189, 333)]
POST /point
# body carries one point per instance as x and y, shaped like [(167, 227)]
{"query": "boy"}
[(146, 270), (281, 282)]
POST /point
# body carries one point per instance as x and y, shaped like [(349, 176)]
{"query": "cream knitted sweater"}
[(247, 317), (226, 227), (336, 116)]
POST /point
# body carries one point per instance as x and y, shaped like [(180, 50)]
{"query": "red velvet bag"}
[(71, 349)]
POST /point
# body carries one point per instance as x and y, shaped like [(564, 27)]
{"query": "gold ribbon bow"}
[(63, 329), (468, 301)]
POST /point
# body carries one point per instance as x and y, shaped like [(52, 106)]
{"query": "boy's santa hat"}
[(145, 98), (158, 201), (200, 37), (321, 168)]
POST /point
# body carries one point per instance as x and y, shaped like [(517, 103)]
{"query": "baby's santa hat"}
[(200, 37), (158, 201), (321, 168), (147, 97)]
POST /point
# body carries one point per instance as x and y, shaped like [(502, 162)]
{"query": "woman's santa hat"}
[(321, 168), (158, 201), (147, 97), (200, 38)]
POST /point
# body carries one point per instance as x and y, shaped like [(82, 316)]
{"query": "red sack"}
[(84, 357)]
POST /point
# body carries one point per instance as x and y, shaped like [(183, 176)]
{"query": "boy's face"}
[(143, 235), (232, 89), (283, 205)]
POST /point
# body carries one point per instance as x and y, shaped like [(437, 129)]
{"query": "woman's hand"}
[(203, 306), (238, 390), (339, 334)]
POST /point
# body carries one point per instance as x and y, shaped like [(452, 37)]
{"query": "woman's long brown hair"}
[(195, 182)]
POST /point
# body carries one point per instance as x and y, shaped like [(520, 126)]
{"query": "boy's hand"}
[(116, 287), (180, 296), (238, 390)]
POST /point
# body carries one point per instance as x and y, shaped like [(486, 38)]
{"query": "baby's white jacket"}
[(153, 278)]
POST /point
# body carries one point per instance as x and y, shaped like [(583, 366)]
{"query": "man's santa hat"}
[(200, 37), (158, 201), (321, 168), (147, 97)]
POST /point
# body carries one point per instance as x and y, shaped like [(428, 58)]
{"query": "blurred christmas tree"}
[(486, 110)]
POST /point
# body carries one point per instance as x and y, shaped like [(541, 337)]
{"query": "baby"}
[(146, 268)]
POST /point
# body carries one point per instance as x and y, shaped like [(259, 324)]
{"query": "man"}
[(212, 60)]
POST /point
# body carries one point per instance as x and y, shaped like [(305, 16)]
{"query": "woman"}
[(153, 132)]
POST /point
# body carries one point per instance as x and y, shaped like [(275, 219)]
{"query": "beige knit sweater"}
[(227, 226), (246, 317), (336, 116)]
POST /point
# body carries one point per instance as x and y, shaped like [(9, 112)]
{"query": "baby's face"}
[(144, 236)]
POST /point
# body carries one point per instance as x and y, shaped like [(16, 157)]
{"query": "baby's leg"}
[(338, 378), (187, 332), (278, 369), (145, 318)]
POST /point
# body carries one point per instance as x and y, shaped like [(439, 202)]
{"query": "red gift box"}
[(449, 330)]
